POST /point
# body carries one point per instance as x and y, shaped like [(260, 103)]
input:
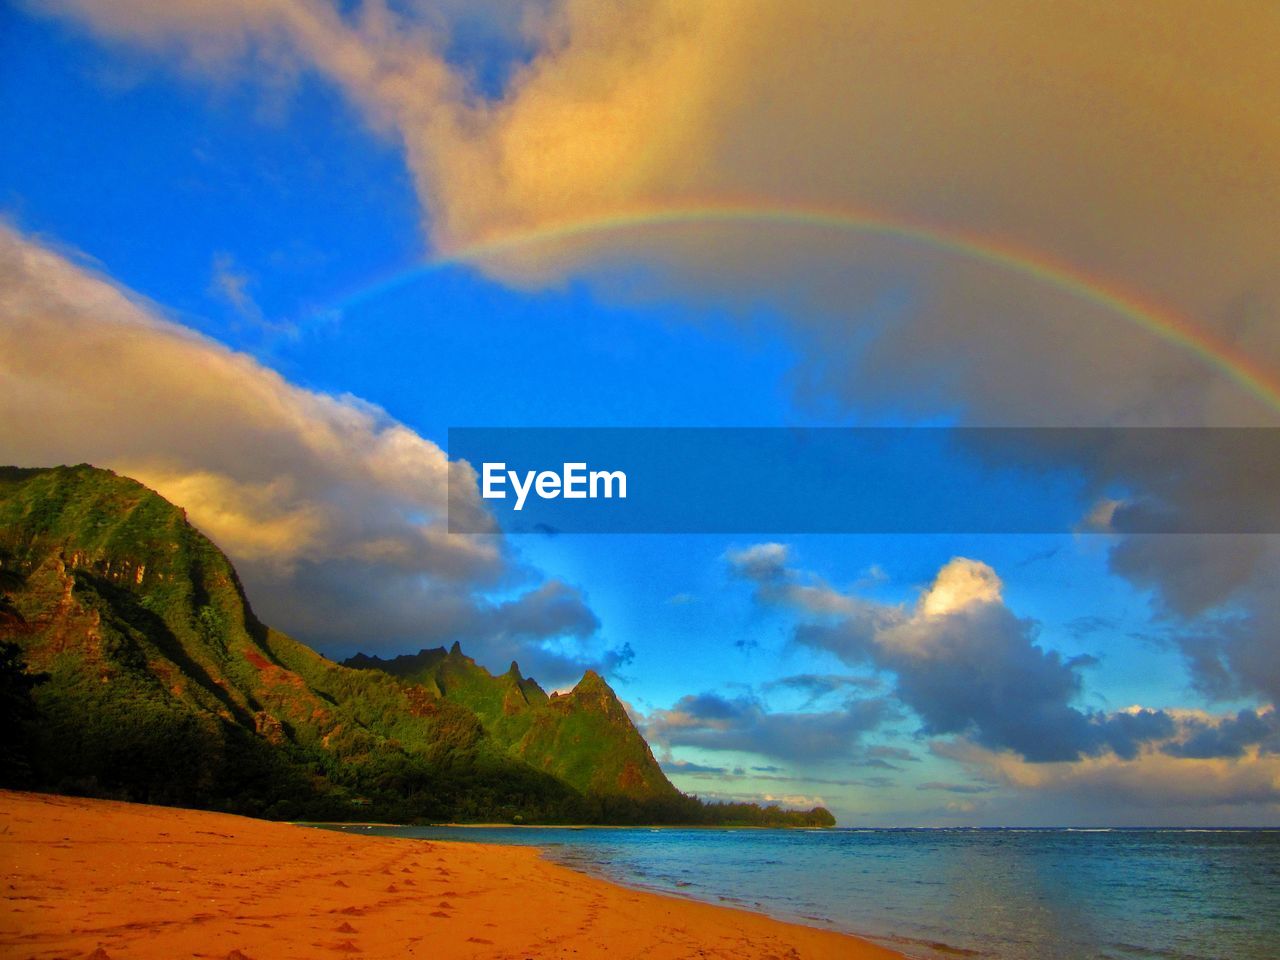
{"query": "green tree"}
[(17, 712)]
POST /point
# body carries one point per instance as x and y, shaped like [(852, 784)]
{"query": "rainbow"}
[(1156, 319)]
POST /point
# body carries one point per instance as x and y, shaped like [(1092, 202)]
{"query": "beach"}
[(111, 881)]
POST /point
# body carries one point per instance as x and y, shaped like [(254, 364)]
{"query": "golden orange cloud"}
[(1137, 143)]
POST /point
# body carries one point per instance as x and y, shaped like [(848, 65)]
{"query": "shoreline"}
[(545, 826), (117, 880), (600, 872)]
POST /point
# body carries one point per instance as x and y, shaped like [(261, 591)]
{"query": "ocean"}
[(1122, 894)]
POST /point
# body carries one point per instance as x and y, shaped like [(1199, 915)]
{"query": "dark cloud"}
[(817, 686), (1040, 555), (1217, 597), (1157, 787), (1230, 737), (1214, 590), (342, 609), (882, 752), (955, 787), (1125, 733), (705, 772), (1087, 626), (1081, 660), (685, 766), (875, 783), (964, 662), (876, 762), (1190, 575), (713, 722), (981, 673)]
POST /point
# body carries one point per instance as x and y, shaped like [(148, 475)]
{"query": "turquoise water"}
[(1006, 894)]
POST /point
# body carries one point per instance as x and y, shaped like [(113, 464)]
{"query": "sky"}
[(262, 254)]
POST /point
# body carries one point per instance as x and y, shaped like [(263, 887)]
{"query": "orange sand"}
[(91, 878)]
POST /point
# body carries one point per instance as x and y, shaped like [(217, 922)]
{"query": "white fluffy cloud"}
[(335, 513), (95, 374)]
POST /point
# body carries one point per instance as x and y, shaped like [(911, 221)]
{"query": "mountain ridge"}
[(164, 686)]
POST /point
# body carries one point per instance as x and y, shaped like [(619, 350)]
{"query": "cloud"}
[(703, 773), (1217, 597), (794, 800), (686, 768), (961, 585), (987, 126), (760, 562), (973, 672), (883, 752), (713, 722), (1106, 786), (954, 787), (334, 512), (232, 285), (767, 566), (818, 686), (964, 663), (1227, 737)]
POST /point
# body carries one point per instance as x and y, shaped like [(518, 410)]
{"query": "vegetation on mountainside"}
[(583, 738), (158, 684)]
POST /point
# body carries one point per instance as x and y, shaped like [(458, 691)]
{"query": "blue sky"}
[(263, 203)]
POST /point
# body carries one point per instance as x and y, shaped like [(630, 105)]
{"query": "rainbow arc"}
[(1155, 318)]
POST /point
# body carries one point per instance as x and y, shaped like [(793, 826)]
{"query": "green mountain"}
[(583, 738), (156, 682)]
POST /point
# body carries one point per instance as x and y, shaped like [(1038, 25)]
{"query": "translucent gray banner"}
[(864, 480)]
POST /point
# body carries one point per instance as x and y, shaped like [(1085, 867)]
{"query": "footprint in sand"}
[(338, 883), (440, 913), (478, 940), (445, 905), (391, 888), (346, 946), (99, 954), (353, 911), (345, 928), (237, 955)]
